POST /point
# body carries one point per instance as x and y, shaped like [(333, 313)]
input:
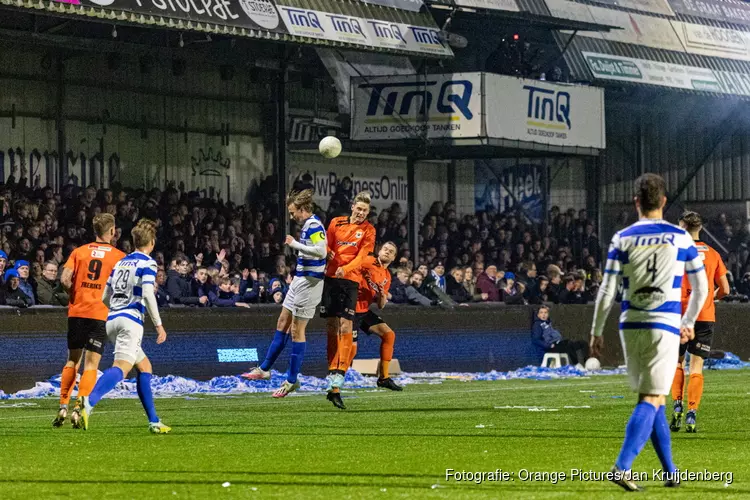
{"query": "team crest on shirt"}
[(358, 234), (648, 298)]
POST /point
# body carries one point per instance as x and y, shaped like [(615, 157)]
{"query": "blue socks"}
[(146, 396), (637, 432), (277, 345), (662, 440), (109, 379), (295, 362)]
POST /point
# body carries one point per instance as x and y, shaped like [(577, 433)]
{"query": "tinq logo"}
[(410, 101), (548, 108)]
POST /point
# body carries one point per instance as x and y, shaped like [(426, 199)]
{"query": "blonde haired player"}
[(129, 294), (700, 346), (351, 238), (650, 257), (303, 296), (84, 277)]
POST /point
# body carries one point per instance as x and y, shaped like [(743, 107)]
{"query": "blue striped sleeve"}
[(617, 254), (687, 254)]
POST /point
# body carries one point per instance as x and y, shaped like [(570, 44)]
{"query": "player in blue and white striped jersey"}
[(129, 294), (303, 296), (650, 257)]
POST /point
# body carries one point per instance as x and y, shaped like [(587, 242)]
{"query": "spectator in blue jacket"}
[(547, 339), (200, 286), (179, 283), (22, 268), (11, 293), (3, 263), (250, 289), (228, 294), (162, 297)]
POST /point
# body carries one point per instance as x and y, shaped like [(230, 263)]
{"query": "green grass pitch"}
[(386, 445)]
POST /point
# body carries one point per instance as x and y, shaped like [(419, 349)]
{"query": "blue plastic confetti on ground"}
[(176, 386)]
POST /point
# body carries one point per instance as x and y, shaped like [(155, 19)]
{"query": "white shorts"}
[(651, 357), (303, 296), (126, 335)]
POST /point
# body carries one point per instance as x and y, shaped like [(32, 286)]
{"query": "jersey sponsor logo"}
[(98, 254), (347, 243), (94, 286), (648, 298), (659, 239)]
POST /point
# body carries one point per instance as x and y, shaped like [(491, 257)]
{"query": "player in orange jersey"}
[(374, 284), (84, 277), (700, 346), (350, 240)]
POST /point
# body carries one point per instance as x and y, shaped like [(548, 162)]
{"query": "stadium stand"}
[(557, 262)]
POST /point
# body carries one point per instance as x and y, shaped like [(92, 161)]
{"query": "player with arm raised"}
[(129, 294), (373, 289), (304, 293), (84, 277), (700, 346), (651, 257), (350, 240)]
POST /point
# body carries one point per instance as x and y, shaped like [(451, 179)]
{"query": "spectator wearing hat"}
[(11, 293), (437, 276), (3, 263), (487, 283), (49, 290), (22, 267), (512, 290)]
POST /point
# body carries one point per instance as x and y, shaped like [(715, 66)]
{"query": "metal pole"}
[(452, 196), (62, 166), (411, 196), (280, 144), (545, 195)]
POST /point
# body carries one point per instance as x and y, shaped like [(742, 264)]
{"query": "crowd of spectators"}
[(495, 257), (216, 253)]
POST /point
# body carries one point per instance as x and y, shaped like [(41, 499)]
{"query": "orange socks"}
[(352, 354), (345, 348), (386, 352), (695, 391), (66, 384), (87, 383), (678, 384)]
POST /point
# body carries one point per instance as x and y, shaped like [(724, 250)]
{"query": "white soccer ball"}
[(330, 147), (593, 364)]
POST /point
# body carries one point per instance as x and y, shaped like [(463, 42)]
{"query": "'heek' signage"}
[(249, 14)]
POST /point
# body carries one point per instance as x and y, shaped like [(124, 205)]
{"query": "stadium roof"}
[(119, 11), (528, 14), (575, 57)]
